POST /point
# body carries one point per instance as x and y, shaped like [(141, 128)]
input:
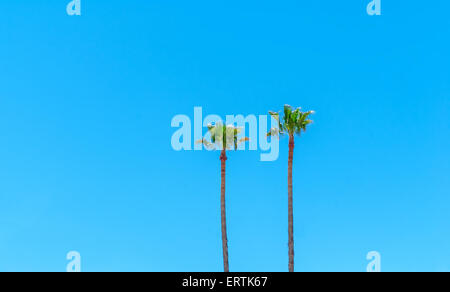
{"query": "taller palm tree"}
[(293, 123), (223, 138)]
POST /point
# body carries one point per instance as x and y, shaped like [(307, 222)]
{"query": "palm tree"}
[(223, 138), (293, 123)]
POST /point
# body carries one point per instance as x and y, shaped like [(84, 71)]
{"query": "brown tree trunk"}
[(291, 205), (223, 159)]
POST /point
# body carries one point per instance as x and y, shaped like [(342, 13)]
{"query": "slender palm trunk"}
[(291, 205), (223, 159)]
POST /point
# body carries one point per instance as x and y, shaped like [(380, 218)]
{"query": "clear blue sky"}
[(86, 162)]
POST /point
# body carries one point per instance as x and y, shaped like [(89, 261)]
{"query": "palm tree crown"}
[(223, 137), (293, 122)]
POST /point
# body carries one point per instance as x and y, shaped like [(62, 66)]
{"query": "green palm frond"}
[(275, 132), (276, 116), (207, 144), (294, 121)]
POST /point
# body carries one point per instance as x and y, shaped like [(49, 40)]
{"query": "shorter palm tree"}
[(293, 123), (223, 138)]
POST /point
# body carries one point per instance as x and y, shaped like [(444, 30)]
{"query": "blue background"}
[(86, 162)]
